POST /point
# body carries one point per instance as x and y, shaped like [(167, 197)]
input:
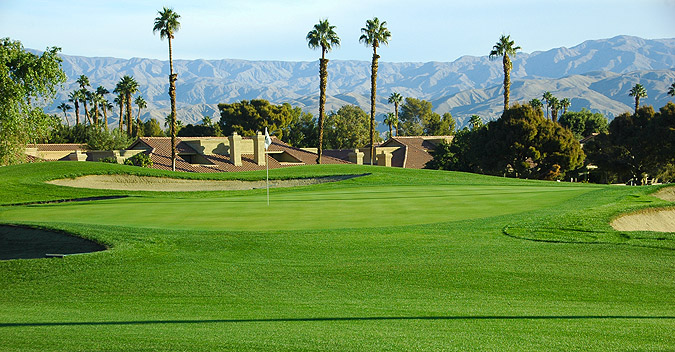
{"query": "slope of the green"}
[(441, 276)]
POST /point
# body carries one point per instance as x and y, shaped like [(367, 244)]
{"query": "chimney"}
[(356, 157), (235, 149), (259, 149)]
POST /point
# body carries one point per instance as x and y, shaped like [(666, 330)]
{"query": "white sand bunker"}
[(162, 184), (661, 220)]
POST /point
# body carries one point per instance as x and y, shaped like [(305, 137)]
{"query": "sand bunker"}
[(661, 220), (163, 184), (18, 242)]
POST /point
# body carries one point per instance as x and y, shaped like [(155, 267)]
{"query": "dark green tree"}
[(347, 128), (151, 128), (536, 103), (248, 117), (65, 108), (128, 87), (167, 25), (475, 122), (554, 103), (75, 97), (565, 103), (303, 131), (390, 120), (584, 123), (671, 90), (83, 82), (323, 36), (374, 34), (546, 97), (27, 81), (505, 48)]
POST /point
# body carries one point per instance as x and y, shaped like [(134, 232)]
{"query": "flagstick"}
[(267, 178)]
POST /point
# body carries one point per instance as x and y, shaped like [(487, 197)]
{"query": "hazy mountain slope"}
[(465, 86)]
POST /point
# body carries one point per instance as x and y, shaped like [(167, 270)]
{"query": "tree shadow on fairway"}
[(341, 319), (644, 239)]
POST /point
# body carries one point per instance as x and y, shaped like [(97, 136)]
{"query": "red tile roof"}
[(159, 149)]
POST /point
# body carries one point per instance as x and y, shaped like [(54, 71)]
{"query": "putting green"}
[(309, 208)]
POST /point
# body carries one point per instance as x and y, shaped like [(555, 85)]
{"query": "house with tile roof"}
[(411, 152), (194, 154), (225, 154)]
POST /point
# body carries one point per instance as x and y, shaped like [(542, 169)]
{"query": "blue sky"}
[(422, 30)]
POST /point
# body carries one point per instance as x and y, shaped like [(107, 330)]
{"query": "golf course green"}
[(393, 260)]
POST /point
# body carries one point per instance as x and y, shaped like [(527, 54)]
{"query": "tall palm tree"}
[(167, 24), (547, 98), (75, 97), (65, 108), (83, 81), (141, 103), (565, 103), (396, 99), (106, 105), (638, 91), (323, 36), (374, 34), (554, 103), (671, 90), (129, 86), (390, 120), (101, 91), (97, 100), (119, 101), (505, 47)]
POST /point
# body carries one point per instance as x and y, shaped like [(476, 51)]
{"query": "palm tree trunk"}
[(105, 116), (507, 80), (323, 78), (129, 115), (86, 112), (637, 103), (396, 114), (65, 116), (121, 116), (95, 114), (172, 95), (77, 112), (373, 90)]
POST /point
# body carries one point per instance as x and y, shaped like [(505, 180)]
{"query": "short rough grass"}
[(397, 260)]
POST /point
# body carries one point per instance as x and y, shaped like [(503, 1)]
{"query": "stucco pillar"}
[(235, 149)]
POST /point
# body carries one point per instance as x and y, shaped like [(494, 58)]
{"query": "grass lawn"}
[(395, 260)]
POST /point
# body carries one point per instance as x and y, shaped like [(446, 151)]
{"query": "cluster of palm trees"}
[(323, 36), (552, 103), (125, 88)]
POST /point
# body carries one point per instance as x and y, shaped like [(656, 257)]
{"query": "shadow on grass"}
[(340, 319)]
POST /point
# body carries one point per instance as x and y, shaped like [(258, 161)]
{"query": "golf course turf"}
[(394, 260)]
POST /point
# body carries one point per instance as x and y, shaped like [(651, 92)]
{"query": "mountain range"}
[(596, 75)]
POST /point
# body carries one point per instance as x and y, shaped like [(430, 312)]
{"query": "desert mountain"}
[(596, 75)]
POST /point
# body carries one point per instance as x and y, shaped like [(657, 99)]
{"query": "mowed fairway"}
[(395, 260)]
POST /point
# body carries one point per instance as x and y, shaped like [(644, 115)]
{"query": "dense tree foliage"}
[(191, 130), (27, 83), (303, 131), (418, 119), (346, 128), (584, 123), (151, 128), (636, 145), (522, 143), (250, 116)]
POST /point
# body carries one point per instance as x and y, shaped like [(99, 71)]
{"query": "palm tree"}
[(83, 81), (671, 90), (547, 98), (106, 105), (475, 122), (97, 100), (322, 36), (554, 103), (129, 86), (373, 34), (65, 107), (75, 97), (167, 24), (396, 99), (141, 103), (638, 91), (505, 47), (565, 103), (119, 100), (390, 120), (536, 103)]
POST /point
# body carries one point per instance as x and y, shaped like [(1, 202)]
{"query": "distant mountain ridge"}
[(595, 74)]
